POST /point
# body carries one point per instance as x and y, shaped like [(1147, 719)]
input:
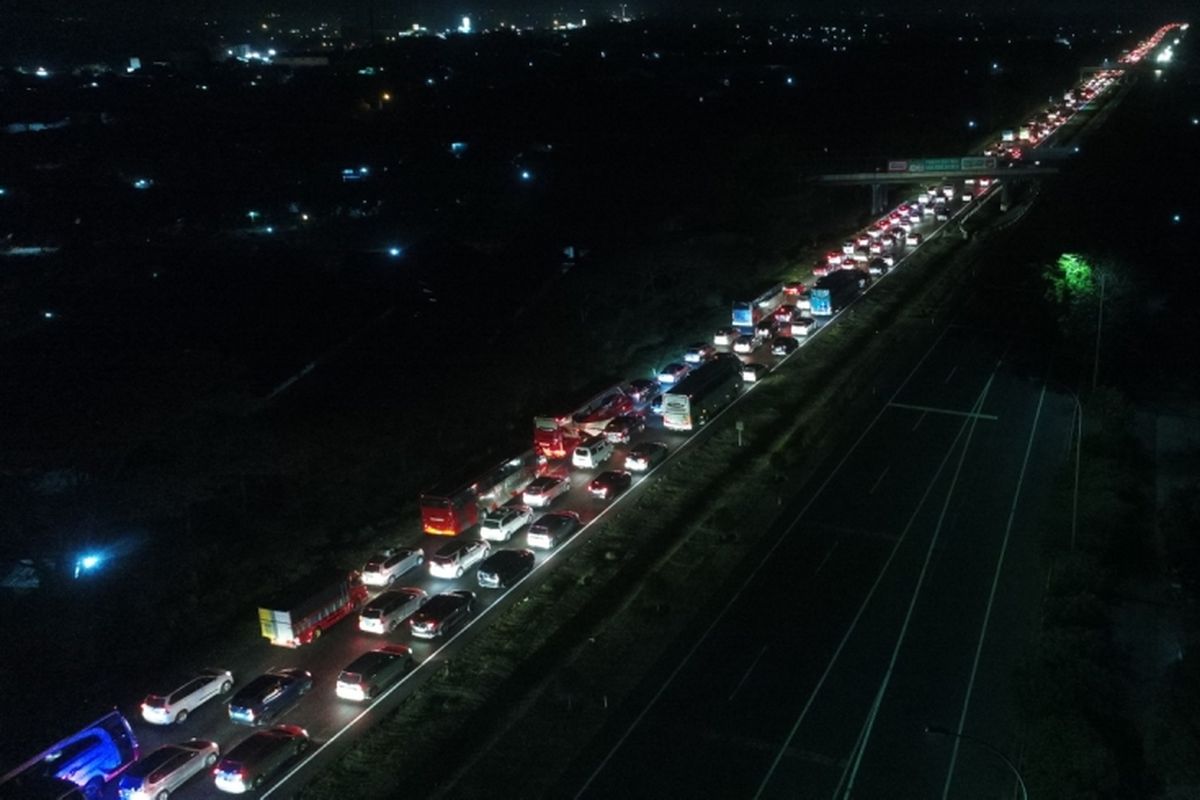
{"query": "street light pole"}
[(943, 731)]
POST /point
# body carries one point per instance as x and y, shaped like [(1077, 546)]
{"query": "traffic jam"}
[(339, 644)]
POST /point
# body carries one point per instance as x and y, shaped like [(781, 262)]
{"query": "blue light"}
[(1176, 218), (395, 252), (526, 175), (3, 191), (143, 183), (270, 229), (363, 170), (253, 215), (970, 123), (791, 81), (88, 562)]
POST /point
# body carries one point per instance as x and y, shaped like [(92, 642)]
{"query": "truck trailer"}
[(836, 290), (299, 614)]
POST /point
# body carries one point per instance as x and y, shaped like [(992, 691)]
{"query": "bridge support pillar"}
[(878, 199)]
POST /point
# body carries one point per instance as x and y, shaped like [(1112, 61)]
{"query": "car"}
[(174, 707), (442, 614), (621, 428), (878, 267), (747, 344), (454, 558), (784, 313), (849, 263), (247, 766), (752, 373), (766, 328), (160, 773), (503, 568), (913, 239), (848, 247), (888, 260), (942, 214), (372, 672), (269, 695), (876, 247), (862, 240), (804, 301), (552, 528), (803, 326), (500, 524), (385, 613), (384, 567), (783, 345), (645, 456), (823, 268), (724, 336), (699, 352), (794, 289), (609, 484), (642, 388), (673, 373), (592, 452), (656, 404), (543, 490)]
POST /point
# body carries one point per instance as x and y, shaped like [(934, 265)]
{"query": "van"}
[(592, 453)]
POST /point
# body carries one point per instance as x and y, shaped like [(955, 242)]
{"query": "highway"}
[(866, 618), (333, 722), (785, 690)]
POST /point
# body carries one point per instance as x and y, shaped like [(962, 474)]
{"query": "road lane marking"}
[(746, 674), (825, 560), (753, 573), (987, 615), (952, 412), (916, 593), (879, 480), (858, 614), (920, 419), (953, 370)]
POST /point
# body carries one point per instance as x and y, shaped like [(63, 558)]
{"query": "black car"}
[(368, 675), (784, 345), (643, 388), (609, 484), (269, 695), (645, 456), (619, 429), (504, 568), (442, 614), (248, 765)]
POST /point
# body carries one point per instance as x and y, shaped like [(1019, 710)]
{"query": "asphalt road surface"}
[(895, 595)]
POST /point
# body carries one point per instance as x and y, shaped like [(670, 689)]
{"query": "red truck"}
[(558, 435), (298, 614)]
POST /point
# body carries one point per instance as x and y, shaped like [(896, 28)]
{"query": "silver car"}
[(500, 525), (162, 772), (174, 707), (383, 568)]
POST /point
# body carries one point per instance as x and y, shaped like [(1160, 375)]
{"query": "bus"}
[(453, 506), (702, 394), (749, 313), (77, 766)]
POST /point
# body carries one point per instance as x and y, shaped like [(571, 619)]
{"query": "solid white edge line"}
[(962, 719)]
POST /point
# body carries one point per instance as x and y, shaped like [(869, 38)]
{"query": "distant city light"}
[(253, 215), (42, 72), (143, 183), (304, 217), (995, 65), (526, 175), (458, 148), (465, 26), (971, 123), (1176, 218), (386, 96), (791, 81), (1195, 121), (395, 251), (269, 229), (48, 315), (3, 191)]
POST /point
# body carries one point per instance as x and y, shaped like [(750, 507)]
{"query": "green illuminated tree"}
[(1070, 278)]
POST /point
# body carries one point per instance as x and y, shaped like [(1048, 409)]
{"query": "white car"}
[(455, 558), (385, 613), (751, 373), (803, 326), (174, 707), (500, 524), (913, 239), (383, 568), (724, 336), (160, 773), (746, 344), (544, 490)]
